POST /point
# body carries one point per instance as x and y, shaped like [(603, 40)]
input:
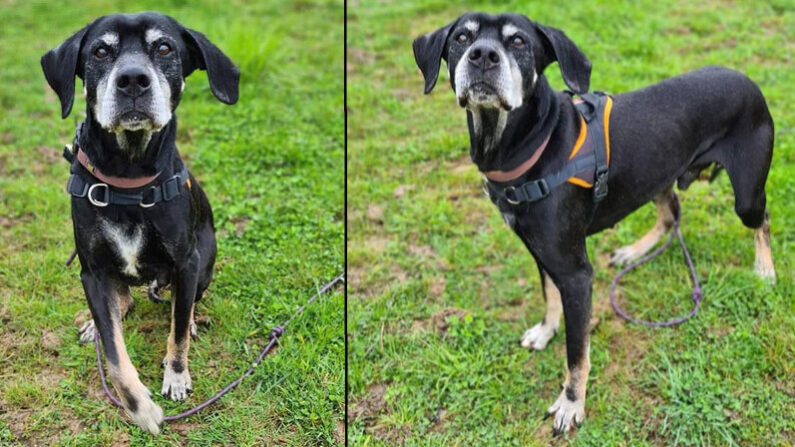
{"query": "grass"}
[(440, 289), (272, 166)]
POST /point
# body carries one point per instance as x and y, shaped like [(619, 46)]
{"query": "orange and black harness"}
[(588, 162)]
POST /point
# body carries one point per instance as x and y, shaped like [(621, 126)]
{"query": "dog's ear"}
[(574, 66), (60, 68), (204, 55), (429, 50)]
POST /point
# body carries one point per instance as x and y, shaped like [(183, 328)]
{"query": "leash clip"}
[(95, 202), (600, 185)]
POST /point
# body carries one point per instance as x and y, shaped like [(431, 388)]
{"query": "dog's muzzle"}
[(484, 78)]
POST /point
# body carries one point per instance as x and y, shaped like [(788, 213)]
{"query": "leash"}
[(697, 294), (275, 333)]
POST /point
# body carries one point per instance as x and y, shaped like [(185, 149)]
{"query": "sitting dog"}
[(139, 216), (522, 135)]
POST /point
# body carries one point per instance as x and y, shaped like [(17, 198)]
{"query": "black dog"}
[(139, 217), (522, 131)]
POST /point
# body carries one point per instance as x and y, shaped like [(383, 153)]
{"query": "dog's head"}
[(494, 61), (133, 68)]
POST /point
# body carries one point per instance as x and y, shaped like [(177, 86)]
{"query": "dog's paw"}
[(176, 385), (147, 415), (567, 413), (538, 336), (194, 333), (765, 271), (624, 255), (87, 332)]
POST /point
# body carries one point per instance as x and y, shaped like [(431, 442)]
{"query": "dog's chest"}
[(126, 242)]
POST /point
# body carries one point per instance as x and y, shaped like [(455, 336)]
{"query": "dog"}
[(139, 217), (521, 131)]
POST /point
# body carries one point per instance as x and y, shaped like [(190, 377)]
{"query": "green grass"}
[(440, 289), (272, 166)]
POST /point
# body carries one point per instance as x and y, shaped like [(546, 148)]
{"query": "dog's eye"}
[(163, 49), (462, 38), (101, 53), (517, 41)]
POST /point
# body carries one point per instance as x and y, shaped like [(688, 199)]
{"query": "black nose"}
[(484, 56), (133, 81)]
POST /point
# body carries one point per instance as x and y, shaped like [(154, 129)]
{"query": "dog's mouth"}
[(483, 94), (134, 120)]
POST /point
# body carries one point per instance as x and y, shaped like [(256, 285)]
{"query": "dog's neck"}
[(130, 154), (501, 141)]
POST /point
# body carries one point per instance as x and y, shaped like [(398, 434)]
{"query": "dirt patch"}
[(376, 244), (5, 314), (376, 214), (183, 427), (339, 433), (369, 408), (462, 165), (422, 250), (440, 321), (8, 221), (81, 317), (401, 190), (438, 286), (439, 421), (356, 57), (50, 341), (49, 155)]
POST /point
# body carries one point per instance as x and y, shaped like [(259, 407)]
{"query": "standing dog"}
[(521, 130), (139, 217)]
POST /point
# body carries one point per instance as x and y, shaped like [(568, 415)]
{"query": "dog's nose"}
[(484, 56), (133, 81)]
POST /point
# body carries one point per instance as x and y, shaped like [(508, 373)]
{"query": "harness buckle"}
[(106, 195), (600, 185)]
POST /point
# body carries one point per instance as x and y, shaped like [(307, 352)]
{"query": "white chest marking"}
[(126, 246)]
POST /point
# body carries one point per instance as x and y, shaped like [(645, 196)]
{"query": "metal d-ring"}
[(94, 201), (511, 201)]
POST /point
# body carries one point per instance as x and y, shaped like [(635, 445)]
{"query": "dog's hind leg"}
[(106, 306), (746, 157), (665, 219), (763, 262), (89, 329), (539, 335)]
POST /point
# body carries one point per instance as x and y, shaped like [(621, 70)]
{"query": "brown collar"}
[(507, 176), (118, 182)]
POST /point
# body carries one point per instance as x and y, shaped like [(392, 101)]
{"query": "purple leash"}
[(274, 337), (697, 294)]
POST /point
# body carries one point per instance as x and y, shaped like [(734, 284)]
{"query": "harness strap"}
[(589, 108), (102, 194), (535, 190), (591, 162)]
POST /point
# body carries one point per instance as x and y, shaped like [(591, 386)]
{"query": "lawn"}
[(272, 166), (441, 290)]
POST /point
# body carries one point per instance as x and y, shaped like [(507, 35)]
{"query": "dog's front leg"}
[(104, 302), (575, 289), (176, 379)]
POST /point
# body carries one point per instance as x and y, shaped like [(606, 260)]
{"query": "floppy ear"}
[(60, 68), (574, 66), (428, 53), (204, 55)]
